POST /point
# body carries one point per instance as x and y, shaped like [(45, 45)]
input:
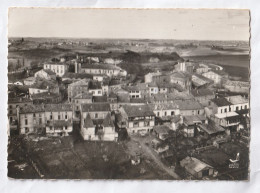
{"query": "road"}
[(150, 153)]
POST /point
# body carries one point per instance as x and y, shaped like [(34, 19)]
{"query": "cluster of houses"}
[(180, 100)]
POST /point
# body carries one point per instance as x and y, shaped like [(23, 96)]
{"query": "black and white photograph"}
[(128, 94)]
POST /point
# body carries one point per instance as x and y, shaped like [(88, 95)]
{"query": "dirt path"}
[(151, 154)]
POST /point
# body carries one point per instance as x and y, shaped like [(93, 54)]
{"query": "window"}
[(99, 92), (51, 117), (96, 115), (158, 114), (245, 106), (172, 113), (58, 117), (66, 116), (66, 127), (237, 108), (50, 127), (136, 124), (10, 111), (221, 110), (40, 120), (165, 113), (198, 112), (225, 110), (25, 121), (34, 115)]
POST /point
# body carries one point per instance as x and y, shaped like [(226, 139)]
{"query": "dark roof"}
[(83, 96), (88, 122), (188, 104), (77, 75), (112, 95), (138, 110), (94, 85), (95, 107), (46, 108), (211, 128), (161, 129), (48, 71), (99, 99), (137, 100), (44, 84), (44, 95), (19, 100), (201, 92), (108, 121), (220, 102)]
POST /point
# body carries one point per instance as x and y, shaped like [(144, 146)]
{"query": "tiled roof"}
[(211, 128), (19, 100), (83, 96), (46, 108), (88, 122), (94, 85), (77, 75), (138, 110), (108, 121), (188, 104), (220, 102), (99, 99), (83, 82), (238, 99), (163, 106), (100, 66), (48, 71), (95, 107), (201, 92), (162, 129)]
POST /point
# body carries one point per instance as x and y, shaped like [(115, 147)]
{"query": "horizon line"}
[(126, 38)]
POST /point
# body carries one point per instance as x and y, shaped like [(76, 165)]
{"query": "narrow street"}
[(150, 153)]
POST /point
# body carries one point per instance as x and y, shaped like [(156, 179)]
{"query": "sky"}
[(184, 24)]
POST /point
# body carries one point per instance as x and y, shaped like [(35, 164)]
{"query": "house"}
[(210, 130), (216, 75), (178, 77), (185, 66), (102, 69), (158, 146), (76, 76), (97, 123), (42, 86), (15, 105), (165, 109), (161, 131), (137, 118), (50, 119), (229, 121), (94, 130), (237, 86), (95, 88), (203, 95), (59, 68), (149, 77), (199, 81), (78, 100), (191, 122), (46, 97), (95, 110), (153, 88), (238, 102), (220, 105), (196, 168), (77, 88), (29, 81), (202, 68), (46, 74), (168, 87), (189, 107)]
